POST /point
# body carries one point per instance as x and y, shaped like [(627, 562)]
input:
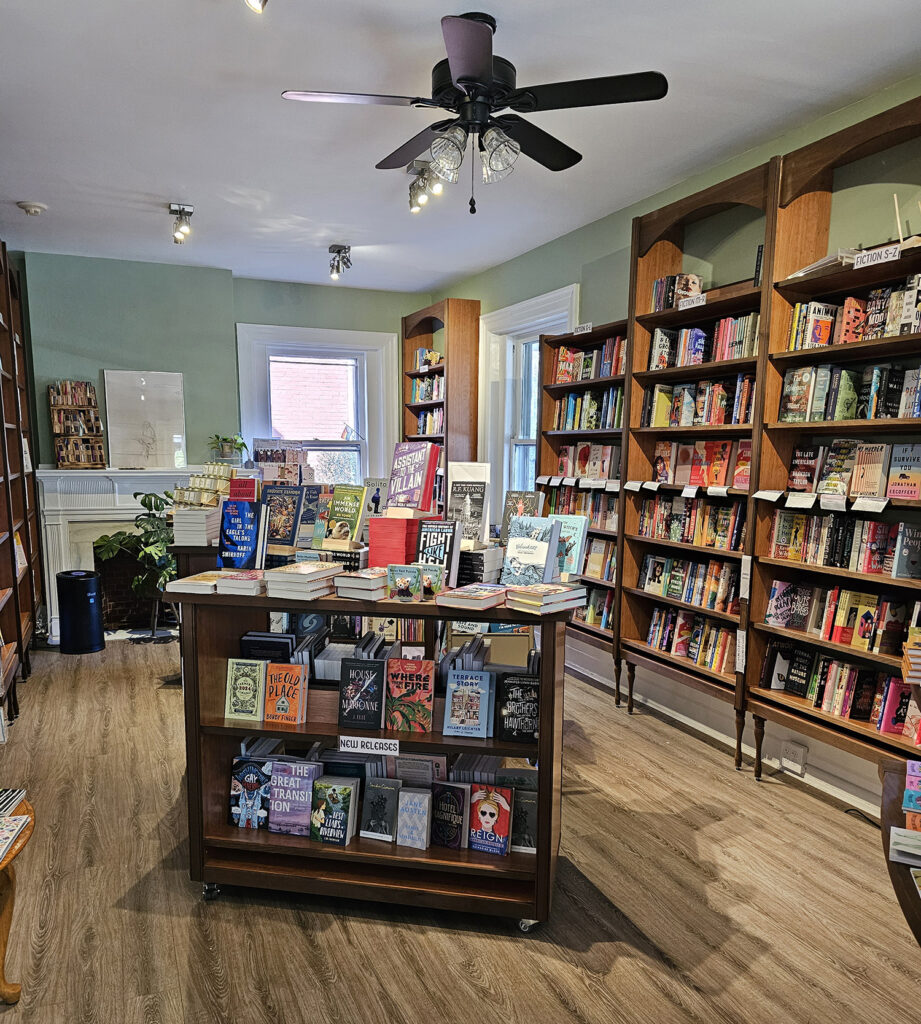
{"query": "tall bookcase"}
[(451, 327), (658, 251), (803, 220), (20, 580), (556, 481)]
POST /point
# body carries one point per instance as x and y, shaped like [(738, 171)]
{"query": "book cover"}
[(490, 818), (379, 809), (895, 707), (346, 513), (906, 562), (531, 552), (570, 544), (283, 507), (250, 791), (905, 472), (467, 704), (794, 401), (524, 822), (285, 693), (332, 812), (804, 466), (291, 795), (375, 496), (871, 462), (741, 473), (361, 693), (414, 818), (663, 468), (240, 528), (410, 695), (835, 474), (412, 474), (466, 506), (521, 503), (431, 582), (518, 708), (245, 693), (450, 814), (404, 582), (438, 544), (321, 520)]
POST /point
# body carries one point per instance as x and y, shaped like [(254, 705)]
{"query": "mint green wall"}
[(597, 256)]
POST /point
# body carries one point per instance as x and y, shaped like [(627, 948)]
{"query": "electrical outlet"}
[(793, 757)]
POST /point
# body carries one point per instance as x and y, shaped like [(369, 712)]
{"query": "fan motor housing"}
[(446, 94)]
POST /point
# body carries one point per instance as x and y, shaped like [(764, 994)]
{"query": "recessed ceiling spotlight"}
[(257, 5), (182, 223), (340, 260), (32, 209)]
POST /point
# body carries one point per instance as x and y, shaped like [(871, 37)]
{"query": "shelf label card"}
[(424, 369), (745, 577), (718, 491), (612, 485), (740, 650), (542, 480), (689, 491), (866, 504), (569, 481), (583, 328), (800, 499), (652, 485), (633, 485), (693, 300), (768, 495), (555, 481), (367, 745), (833, 502), (591, 483), (881, 254)]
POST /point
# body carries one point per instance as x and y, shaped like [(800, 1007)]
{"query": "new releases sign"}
[(367, 745)]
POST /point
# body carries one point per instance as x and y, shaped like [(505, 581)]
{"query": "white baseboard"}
[(850, 779)]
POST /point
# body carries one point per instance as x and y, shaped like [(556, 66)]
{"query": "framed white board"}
[(145, 414)]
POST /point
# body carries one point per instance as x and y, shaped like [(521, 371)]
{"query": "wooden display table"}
[(892, 776), (10, 992), (519, 885)]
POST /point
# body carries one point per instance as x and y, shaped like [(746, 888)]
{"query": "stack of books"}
[(363, 585), (200, 583), (480, 566), (544, 598), (10, 799), (302, 581), (473, 597), (196, 527), (392, 541), (249, 582)]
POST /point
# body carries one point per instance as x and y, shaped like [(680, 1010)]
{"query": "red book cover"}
[(244, 489), (490, 818), (410, 695), (741, 474)]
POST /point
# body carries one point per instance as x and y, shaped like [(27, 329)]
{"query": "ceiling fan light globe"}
[(186, 228), (447, 174), (448, 150), (501, 151), (256, 5), (490, 177)]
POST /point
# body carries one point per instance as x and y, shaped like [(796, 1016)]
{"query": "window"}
[(321, 398), (523, 443)]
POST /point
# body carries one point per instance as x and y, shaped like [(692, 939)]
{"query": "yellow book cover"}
[(661, 406)]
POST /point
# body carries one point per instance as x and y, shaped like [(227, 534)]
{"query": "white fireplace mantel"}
[(79, 505)]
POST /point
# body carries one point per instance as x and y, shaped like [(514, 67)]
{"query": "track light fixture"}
[(340, 260), (257, 5), (423, 185), (182, 222)]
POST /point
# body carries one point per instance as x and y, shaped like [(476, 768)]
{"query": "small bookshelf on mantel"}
[(440, 392), (75, 425), (583, 411), (519, 885)]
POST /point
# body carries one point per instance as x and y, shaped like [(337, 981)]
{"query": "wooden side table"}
[(10, 992)]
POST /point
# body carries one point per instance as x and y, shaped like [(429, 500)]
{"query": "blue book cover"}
[(283, 509), (240, 522), (468, 704), (532, 551), (414, 819), (312, 494)]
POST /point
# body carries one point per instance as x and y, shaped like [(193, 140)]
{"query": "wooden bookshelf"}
[(519, 885), (550, 443), (76, 428), (452, 328)]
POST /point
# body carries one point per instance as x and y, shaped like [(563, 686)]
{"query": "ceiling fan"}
[(475, 85)]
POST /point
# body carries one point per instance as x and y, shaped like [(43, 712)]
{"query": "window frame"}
[(522, 396)]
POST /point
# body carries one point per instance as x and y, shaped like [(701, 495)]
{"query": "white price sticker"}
[(612, 485), (768, 495), (689, 491), (881, 254), (693, 300), (368, 745), (745, 577), (833, 502), (633, 485), (715, 491), (864, 504), (800, 499), (583, 328)]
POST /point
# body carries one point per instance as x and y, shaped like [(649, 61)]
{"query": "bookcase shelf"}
[(727, 682), (600, 434), (852, 352), (864, 578), (432, 371), (716, 368), (673, 602), (843, 650), (580, 385), (728, 300), (846, 281), (886, 426), (591, 629), (689, 549), (702, 430), (518, 885)]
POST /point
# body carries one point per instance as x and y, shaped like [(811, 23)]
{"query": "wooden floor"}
[(686, 891)]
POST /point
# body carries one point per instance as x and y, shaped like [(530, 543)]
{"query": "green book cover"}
[(346, 512), (405, 582), (245, 691), (848, 393), (431, 581)]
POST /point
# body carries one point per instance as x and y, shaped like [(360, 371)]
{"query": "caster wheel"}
[(524, 925), (210, 891)]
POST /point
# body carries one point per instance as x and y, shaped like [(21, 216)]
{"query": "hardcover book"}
[(321, 519), (804, 466), (250, 790), (404, 582), (521, 503), (524, 822), (490, 818), (285, 694), (571, 543), (532, 551), (240, 535), (450, 814), (361, 694), (518, 708), (741, 473), (905, 472), (794, 402), (412, 475), (283, 507), (871, 462), (439, 544), (414, 818), (334, 807), (291, 795), (245, 693), (835, 475), (466, 506), (410, 695), (379, 809), (431, 582), (346, 513), (467, 703), (375, 496)]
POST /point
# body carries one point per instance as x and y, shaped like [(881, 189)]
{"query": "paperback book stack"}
[(363, 585), (196, 527), (249, 583), (480, 566), (473, 597), (905, 843), (544, 598), (392, 541), (302, 581), (200, 583)]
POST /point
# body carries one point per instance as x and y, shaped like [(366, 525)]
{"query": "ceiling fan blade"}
[(590, 92), (469, 47), (410, 150), (538, 144), (357, 97)]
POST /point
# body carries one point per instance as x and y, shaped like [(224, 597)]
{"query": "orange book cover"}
[(913, 821), (285, 694)]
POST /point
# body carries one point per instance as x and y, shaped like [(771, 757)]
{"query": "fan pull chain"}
[(472, 178)]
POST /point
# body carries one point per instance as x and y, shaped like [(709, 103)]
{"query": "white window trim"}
[(380, 353), (555, 312)]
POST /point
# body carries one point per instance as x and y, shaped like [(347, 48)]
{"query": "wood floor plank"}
[(686, 893)]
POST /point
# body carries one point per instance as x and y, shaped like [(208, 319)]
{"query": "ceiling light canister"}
[(448, 153), (257, 5)]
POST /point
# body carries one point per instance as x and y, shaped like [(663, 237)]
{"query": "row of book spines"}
[(78, 449), (431, 422), (704, 403), (427, 357), (699, 521), (839, 541), (72, 392), (733, 338), (692, 635), (573, 364), (827, 393), (585, 459), (703, 463), (78, 421), (599, 608), (601, 559), (859, 468), (599, 507), (583, 411), (712, 586), (427, 389), (668, 291)]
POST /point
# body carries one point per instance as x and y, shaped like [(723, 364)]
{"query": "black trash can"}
[(80, 611)]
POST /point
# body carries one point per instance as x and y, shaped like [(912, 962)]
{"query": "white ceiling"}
[(111, 108)]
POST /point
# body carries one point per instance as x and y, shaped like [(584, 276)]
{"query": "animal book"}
[(291, 795), (283, 508), (439, 544), (241, 540), (410, 695), (334, 810), (379, 809), (451, 814), (412, 475), (414, 818), (404, 582), (285, 694), (361, 694), (520, 503), (244, 696), (532, 551), (250, 789), (346, 514), (490, 818), (467, 703), (517, 708)]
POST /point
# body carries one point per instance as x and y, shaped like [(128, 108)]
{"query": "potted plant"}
[(149, 547), (227, 446)]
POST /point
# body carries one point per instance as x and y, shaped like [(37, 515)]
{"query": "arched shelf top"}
[(750, 188), (432, 319), (809, 169)]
